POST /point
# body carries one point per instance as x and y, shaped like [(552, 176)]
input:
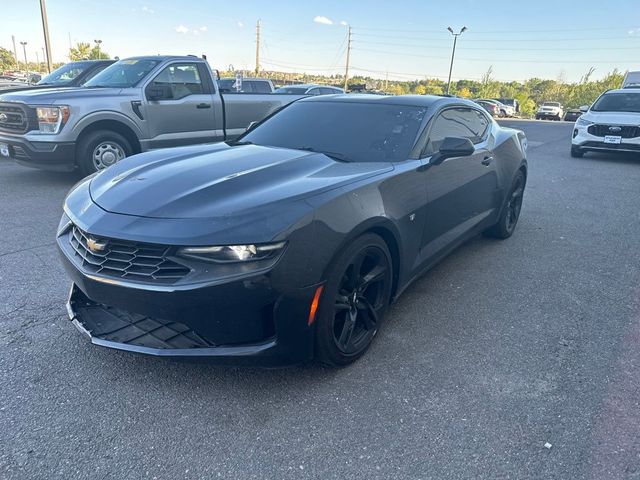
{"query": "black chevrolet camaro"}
[(289, 243)]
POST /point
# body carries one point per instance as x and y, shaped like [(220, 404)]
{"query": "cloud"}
[(240, 24), (148, 10), (203, 29), (181, 29), (344, 23), (323, 20), (634, 31)]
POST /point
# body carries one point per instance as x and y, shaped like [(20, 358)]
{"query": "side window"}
[(248, 86), (327, 91), (261, 87), (182, 79), (314, 91), (457, 122)]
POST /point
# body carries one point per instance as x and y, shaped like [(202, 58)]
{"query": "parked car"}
[(510, 102), (73, 74), (247, 85), (290, 243), (505, 110), (572, 115), (492, 108), (612, 124), (550, 110), (631, 80), (309, 89), (134, 105)]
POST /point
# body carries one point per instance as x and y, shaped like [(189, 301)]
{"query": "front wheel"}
[(576, 152), (101, 149), (506, 224), (354, 301)]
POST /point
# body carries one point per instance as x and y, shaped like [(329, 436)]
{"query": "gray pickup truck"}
[(136, 104)]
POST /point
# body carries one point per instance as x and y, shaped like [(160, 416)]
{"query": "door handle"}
[(203, 105), (487, 161)]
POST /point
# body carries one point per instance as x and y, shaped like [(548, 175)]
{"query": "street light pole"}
[(45, 30), (26, 66), (98, 42), (453, 53)]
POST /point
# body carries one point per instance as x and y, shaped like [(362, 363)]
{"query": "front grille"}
[(116, 325), (626, 131), (124, 259), (14, 119)]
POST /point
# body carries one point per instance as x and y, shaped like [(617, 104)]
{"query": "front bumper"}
[(548, 115), (585, 141), (53, 156), (241, 322)]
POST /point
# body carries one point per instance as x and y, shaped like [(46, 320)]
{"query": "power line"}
[(502, 40), (500, 49)]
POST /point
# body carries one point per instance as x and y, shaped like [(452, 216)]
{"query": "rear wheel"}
[(354, 301), (506, 224), (101, 149), (576, 152)]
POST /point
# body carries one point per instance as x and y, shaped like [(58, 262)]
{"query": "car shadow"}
[(613, 157)]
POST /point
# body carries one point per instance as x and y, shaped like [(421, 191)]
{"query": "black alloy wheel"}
[(355, 299), (508, 220)]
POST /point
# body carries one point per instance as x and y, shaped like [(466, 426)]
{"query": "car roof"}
[(162, 58), (403, 100), (624, 90)]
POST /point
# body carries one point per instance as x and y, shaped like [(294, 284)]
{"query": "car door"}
[(184, 114), (461, 191)]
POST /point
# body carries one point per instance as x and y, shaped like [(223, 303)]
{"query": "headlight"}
[(51, 119), (234, 253), (581, 122)]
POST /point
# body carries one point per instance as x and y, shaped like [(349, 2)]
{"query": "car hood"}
[(52, 95), (215, 181), (614, 118)]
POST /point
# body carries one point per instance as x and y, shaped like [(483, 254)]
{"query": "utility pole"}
[(386, 80), (45, 29), (453, 53), (15, 51), (24, 50), (38, 60), (257, 47), (346, 70)]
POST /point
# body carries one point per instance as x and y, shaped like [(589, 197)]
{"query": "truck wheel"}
[(101, 149)]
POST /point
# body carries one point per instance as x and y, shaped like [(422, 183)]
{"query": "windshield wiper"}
[(238, 143), (339, 157)]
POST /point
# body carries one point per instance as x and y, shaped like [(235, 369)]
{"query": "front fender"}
[(106, 115)]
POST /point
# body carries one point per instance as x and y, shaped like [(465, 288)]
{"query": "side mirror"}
[(452, 147), (159, 92), (584, 108)]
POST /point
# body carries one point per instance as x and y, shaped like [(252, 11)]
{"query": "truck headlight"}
[(52, 119), (234, 253)]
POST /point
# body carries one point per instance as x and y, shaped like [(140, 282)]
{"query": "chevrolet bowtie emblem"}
[(95, 245), (3, 117)]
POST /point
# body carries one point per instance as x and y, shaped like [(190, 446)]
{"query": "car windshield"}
[(292, 90), (123, 74), (65, 74), (349, 131), (617, 102)]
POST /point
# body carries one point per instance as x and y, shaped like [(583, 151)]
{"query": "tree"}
[(7, 61), (83, 51)]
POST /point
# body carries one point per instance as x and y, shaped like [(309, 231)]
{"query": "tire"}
[(506, 224), (503, 114), (352, 306), (106, 146), (576, 152)]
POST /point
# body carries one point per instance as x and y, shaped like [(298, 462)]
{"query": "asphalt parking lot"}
[(502, 348)]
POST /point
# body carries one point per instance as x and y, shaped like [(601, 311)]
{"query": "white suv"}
[(552, 110), (611, 124)]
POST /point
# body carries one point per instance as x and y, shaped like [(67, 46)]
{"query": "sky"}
[(402, 39)]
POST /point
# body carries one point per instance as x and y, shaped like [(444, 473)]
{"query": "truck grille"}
[(627, 131), (15, 119), (124, 259)]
